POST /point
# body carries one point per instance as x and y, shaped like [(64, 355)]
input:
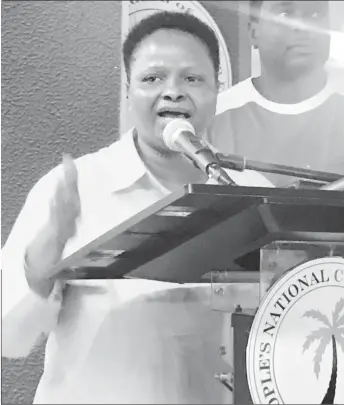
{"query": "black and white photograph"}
[(172, 202)]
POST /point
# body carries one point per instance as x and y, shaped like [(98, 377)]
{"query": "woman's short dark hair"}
[(175, 21)]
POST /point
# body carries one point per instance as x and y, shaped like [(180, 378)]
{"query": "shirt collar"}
[(125, 164)]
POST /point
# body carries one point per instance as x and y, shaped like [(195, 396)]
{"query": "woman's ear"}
[(218, 84), (127, 85), (127, 89), (253, 32)]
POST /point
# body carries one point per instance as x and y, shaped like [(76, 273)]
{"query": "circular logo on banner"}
[(142, 9), (295, 352)]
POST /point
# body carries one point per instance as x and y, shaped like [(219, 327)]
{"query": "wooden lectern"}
[(210, 229)]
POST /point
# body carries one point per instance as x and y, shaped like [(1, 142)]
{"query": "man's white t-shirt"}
[(309, 134)]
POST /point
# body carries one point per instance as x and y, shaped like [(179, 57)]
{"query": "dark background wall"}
[(61, 93)]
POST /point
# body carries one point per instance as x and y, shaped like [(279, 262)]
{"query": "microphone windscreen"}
[(172, 131)]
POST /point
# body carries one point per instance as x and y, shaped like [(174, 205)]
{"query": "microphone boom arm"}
[(239, 163)]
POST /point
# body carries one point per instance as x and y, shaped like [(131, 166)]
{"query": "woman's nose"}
[(173, 91)]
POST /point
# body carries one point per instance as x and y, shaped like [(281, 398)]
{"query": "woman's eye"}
[(151, 79), (193, 79)]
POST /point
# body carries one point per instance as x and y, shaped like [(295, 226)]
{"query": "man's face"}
[(172, 76), (292, 36)]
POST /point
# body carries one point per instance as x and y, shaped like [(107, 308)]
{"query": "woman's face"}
[(172, 76)]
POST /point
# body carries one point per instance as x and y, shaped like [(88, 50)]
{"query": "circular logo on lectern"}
[(295, 352)]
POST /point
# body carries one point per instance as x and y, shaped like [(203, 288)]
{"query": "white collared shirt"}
[(115, 341)]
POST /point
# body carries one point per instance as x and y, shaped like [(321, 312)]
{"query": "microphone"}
[(179, 136)]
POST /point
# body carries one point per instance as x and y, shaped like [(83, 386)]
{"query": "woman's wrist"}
[(40, 285), (40, 257)]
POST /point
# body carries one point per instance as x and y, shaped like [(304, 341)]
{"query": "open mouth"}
[(173, 114)]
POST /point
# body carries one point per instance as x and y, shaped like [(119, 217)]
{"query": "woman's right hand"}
[(47, 247)]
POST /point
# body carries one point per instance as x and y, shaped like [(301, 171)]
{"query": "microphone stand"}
[(240, 163)]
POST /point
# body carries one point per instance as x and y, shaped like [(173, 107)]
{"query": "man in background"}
[(291, 114)]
